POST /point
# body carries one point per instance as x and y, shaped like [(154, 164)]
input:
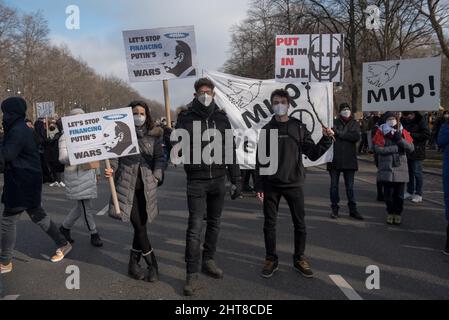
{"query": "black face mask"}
[(52, 128)]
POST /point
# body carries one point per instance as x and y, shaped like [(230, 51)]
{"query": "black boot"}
[(134, 269), (95, 240), (353, 213), (152, 273), (66, 233), (192, 284), (334, 214), (210, 268)]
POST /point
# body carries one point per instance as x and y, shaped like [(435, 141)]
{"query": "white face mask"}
[(139, 120), (345, 113), (392, 123), (205, 99), (280, 109)]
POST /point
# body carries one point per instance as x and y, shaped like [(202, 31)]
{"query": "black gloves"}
[(397, 136)]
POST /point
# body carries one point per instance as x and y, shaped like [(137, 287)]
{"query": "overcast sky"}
[(99, 42)]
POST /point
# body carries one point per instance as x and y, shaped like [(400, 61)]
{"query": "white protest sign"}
[(100, 135), (247, 105), (161, 54), (45, 109), (310, 58), (402, 85)]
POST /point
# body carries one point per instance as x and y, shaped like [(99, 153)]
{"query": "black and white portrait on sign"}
[(179, 61), (117, 139), (326, 58)]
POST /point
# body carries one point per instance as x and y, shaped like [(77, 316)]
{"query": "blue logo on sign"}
[(177, 35), (114, 117)]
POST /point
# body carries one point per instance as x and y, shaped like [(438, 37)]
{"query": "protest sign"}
[(247, 105), (310, 58), (45, 109), (160, 54), (101, 135), (402, 85)]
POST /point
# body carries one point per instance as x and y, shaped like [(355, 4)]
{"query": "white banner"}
[(100, 135), (45, 109), (247, 104), (161, 54), (402, 85), (310, 58)]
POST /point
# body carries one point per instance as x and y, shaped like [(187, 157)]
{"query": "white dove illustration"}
[(244, 94), (380, 74)]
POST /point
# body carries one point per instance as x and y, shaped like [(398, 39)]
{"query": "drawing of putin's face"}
[(325, 60), (178, 60), (111, 137)]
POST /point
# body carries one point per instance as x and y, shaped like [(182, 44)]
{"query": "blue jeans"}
[(349, 184), (415, 175)]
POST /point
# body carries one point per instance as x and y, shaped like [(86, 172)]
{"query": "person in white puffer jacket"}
[(81, 186)]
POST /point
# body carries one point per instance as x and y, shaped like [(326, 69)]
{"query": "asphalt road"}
[(409, 257)]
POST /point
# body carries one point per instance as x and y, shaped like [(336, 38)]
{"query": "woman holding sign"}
[(137, 178)]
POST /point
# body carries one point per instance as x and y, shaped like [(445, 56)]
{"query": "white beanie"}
[(76, 112)]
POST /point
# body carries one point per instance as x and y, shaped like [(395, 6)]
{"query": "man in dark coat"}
[(347, 134), (22, 190), (416, 125), (205, 180), (286, 179)]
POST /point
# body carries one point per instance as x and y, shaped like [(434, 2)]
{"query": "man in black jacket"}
[(22, 190), (347, 134), (416, 125), (205, 181), (294, 140)]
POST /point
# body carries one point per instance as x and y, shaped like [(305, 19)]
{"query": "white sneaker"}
[(6, 268), (54, 184), (417, 199), (62, 184), (61, 253), (408, 196)]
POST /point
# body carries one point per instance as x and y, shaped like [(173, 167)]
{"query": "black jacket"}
[(294, 140), (23, 175), (209, 118), (420, 132), (347, 135)]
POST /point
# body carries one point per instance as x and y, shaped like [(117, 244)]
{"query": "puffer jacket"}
[(80, 184), (151, 164), (392, 157)]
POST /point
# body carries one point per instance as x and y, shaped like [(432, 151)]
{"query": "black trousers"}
[(394, 197), (205, 199), (139, 220), (295, 201)]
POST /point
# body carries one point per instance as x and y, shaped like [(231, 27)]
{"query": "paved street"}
[(411, 264)]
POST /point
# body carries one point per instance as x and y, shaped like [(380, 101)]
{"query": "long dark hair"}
[(149, 123)]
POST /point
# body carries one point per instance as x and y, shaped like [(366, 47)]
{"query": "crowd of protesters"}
[(33, 154)]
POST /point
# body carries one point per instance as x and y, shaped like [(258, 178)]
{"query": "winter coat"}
[(345, 147), (23, 175), (80, 184), (150, 162), (443, 142), (420, 132), (210, 118), (392, 158)]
